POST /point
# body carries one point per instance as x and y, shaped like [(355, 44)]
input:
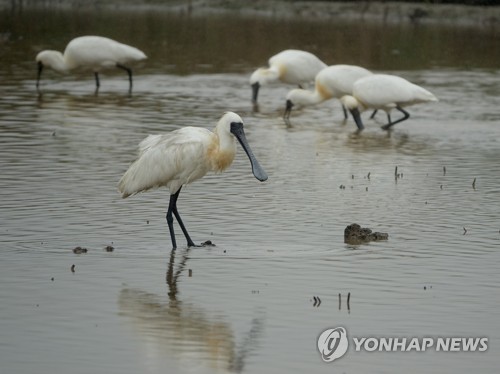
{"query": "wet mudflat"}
[(247, 304)]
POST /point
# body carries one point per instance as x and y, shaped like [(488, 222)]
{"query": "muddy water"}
[(247, 304)]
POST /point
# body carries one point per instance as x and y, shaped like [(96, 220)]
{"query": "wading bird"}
[(385, 92), (183, 156), (332, 82), (94, 53), (290, 66)]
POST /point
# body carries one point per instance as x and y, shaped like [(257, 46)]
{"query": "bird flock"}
[(185, 155)]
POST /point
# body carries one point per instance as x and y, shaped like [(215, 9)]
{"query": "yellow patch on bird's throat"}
[(282, 70), (219, 160), (222, 161), (323, 91)]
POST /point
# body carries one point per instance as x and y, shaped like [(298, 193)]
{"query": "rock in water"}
[(355, 234)]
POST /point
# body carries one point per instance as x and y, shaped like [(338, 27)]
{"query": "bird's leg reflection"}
[(172, 277)]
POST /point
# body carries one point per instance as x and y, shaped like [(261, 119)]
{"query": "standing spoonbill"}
[(183, 156), (94, 53), (385, 92), (333, 81), (290, 66)]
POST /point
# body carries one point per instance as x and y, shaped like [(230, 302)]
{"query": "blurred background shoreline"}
[(479, 13)]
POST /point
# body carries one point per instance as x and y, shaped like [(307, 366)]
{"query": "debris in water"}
[(368, 176), (349, 301), (79, 250), (109, 248), (190, 272), (465, 231), (474, 183), (444, 170), (208, 243), (317, 301), (355, 234), (73, 268)]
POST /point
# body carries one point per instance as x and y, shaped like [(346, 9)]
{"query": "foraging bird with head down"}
[(290, 66), (385, 92), (182, 156), (332, 82), (94, 53)]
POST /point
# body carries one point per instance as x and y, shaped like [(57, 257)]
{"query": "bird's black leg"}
[(373, 114), (406, 115), (345, 111), (170, 218), (129, 71), (97, 83), (190, 243), (172, 208)]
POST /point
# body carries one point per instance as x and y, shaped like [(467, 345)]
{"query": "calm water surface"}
[(245, 305)]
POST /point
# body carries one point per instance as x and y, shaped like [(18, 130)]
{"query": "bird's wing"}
[(341, 78), (96, 51), (297, 66), (379, 91), (170, 160)]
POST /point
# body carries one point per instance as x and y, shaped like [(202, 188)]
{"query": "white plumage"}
[(290, 66), (332, 82), (170, 160), (94, 53), (183, 156), (385, 92)]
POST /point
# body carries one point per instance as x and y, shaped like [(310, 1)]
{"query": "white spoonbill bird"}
[(183, 156), (290, 66), (332, 82), (385, 92), (94, 53)]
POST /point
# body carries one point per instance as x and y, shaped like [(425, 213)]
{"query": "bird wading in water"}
[(183, 156), (95, 53)]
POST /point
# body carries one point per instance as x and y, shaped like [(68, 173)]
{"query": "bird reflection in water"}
[(182, 332)]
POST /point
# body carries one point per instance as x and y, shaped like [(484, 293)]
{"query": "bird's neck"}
[(306, 97), (221, 151), (56, 61), (269, 75)]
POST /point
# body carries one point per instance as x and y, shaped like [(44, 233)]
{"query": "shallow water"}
[(245, 305)]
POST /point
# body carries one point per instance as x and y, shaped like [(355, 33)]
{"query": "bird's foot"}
[(208, 243)]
